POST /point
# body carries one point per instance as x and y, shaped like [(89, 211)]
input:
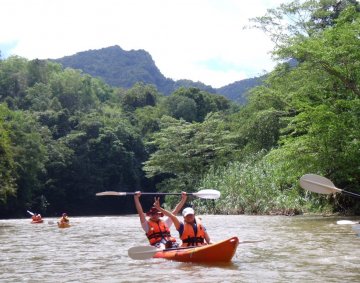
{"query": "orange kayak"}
[(219, 252), (63, 225), (37, 221)]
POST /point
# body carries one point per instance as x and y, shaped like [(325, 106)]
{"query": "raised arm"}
[(180, 204), (167, 213), (139, 207)]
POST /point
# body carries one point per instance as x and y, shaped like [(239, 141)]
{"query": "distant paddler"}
[(36, 218), (64, 221)]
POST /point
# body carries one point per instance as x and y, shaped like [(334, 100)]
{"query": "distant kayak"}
[(63, 225), (219, 252), (37, 221)]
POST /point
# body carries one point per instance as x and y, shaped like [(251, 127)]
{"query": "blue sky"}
[(200, 40)]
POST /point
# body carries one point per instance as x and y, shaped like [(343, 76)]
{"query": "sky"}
[(199, 40)]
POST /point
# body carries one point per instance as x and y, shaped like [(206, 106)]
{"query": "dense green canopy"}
[(65, 135)]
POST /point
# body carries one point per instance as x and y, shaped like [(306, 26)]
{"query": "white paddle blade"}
[(346, 222), (318, 184), (142, 252), (207, 194), (110, 193), (30, 212)]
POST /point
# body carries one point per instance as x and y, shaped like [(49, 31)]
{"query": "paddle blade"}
[(31, 213), (111, 193), (207, 194), (318, 184), (142, 252), (346, 222)]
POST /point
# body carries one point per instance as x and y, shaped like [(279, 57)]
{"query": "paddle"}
[(147, 252), (142, 252), (346, 222), (205, 194), (31, 213), (321, 185)]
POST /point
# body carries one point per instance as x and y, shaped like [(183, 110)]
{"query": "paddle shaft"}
[(157, 194), (334, 189), (351, 194), (205, 194)]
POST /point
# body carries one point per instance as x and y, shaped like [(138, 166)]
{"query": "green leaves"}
[(7, 163), (187, 150)]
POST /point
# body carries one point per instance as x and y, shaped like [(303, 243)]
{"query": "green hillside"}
[(121, 68)]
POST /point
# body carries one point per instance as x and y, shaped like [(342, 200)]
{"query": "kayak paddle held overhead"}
[(205, 194), (321, 185)]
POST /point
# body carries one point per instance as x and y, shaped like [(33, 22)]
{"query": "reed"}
[(257, 187)]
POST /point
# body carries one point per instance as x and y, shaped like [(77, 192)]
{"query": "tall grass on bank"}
[(256, 187)]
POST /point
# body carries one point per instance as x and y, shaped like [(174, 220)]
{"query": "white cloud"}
[(180, 35)]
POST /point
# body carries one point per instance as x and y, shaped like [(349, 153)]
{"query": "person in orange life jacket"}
[(64, 218), (36, 217), (156, 229), (191, 231)]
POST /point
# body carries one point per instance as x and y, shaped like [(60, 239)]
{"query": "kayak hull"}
[(37, 221), (63, 225), (219, 252)]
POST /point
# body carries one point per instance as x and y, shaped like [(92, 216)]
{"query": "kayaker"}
[(157, 230), (36, 217), (191, 231), (64, 219)]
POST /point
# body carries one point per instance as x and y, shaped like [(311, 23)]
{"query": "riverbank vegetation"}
[(65, 135)]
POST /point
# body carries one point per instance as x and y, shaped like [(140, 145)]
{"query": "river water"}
[(94, 249)]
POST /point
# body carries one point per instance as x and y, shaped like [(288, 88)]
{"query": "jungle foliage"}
[(65, 135)]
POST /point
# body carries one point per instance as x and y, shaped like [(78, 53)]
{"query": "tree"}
[(320, 99), (185, 151), (298, 20), (183, 100), (140, 95), (29, 157), (7, 163), (181, 107)]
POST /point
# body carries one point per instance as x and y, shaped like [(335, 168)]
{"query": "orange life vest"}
[(36, 217), (191, 238), (64, 219), (158, 231)]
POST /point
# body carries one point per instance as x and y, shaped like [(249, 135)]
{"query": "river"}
[(94, 249)]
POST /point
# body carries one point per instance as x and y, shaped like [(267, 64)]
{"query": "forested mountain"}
[(121, 68), (65, 135), (237, 91)]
